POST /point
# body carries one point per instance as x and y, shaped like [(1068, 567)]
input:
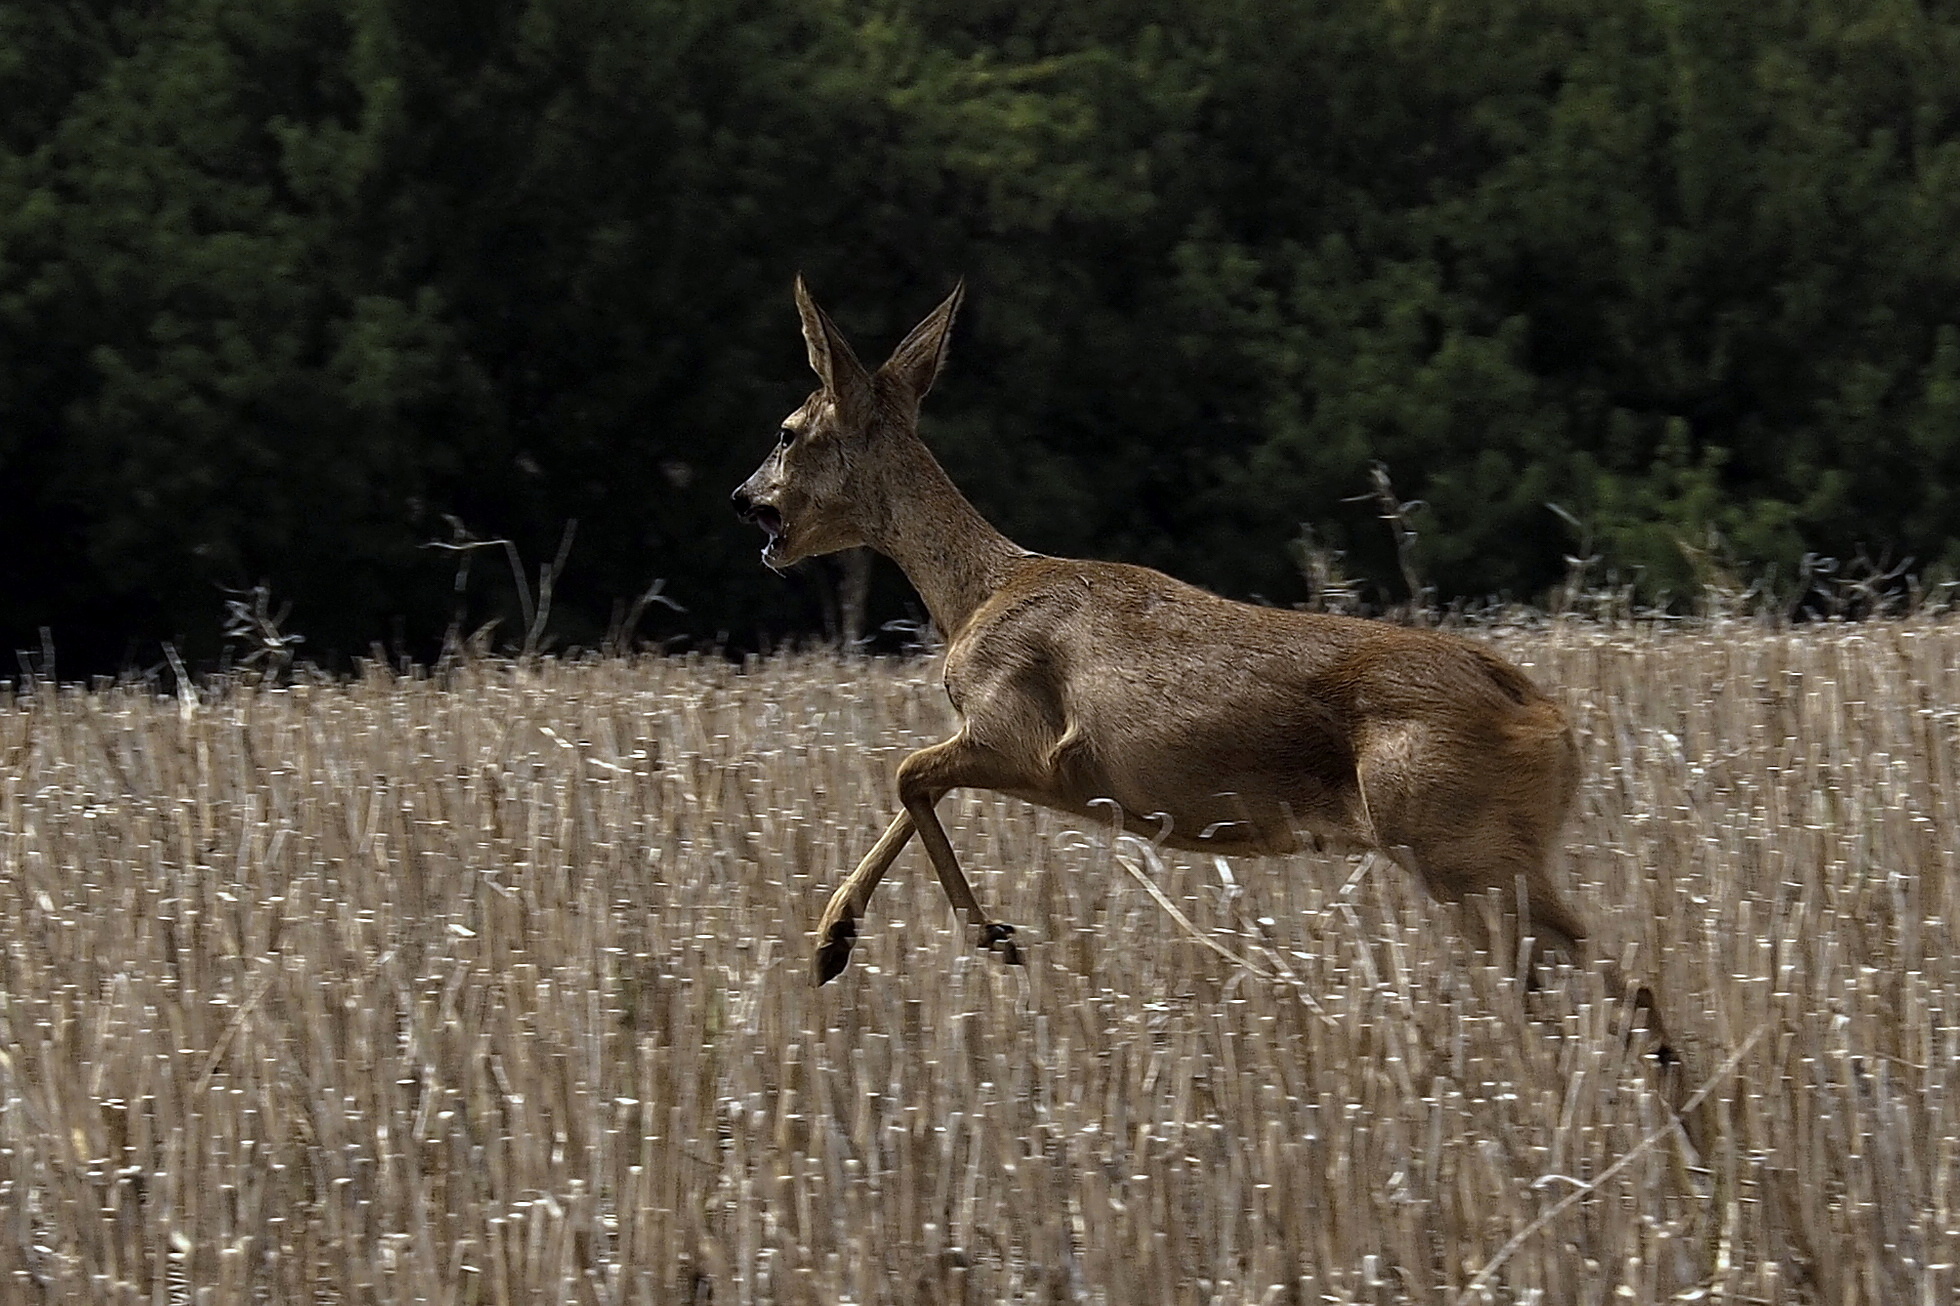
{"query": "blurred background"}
[(339, 317)]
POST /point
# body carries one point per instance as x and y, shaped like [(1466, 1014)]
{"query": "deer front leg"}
[(923, 779), (838, 928)]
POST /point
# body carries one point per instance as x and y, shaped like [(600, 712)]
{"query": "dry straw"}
[(495, 990)]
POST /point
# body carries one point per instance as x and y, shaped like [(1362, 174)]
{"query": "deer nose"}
[(744, 505)]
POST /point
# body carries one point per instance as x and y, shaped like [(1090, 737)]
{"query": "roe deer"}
[(1212, 725)]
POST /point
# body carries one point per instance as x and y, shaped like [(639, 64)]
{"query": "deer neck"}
[(953, 556)]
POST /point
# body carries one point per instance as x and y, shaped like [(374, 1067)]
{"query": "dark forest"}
[(340, 317)]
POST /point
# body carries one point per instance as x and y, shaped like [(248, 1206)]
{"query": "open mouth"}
[(770, 519)]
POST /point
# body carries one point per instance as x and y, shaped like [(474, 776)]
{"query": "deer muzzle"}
[(766, 515)]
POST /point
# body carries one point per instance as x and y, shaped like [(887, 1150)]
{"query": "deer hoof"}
[(834, 953), (998, 937)]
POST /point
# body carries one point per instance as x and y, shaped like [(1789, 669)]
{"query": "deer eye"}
[(788, 437)]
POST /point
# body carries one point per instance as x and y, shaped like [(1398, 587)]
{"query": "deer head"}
[(826, 484)]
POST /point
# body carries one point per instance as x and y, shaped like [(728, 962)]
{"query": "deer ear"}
[(830, 354), (918, 358)]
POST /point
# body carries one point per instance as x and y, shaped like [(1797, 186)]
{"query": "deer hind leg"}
[(1457, 873), (1464, 845), (923, 779), (838, 929), (1465, 834)]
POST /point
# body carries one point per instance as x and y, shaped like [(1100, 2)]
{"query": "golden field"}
[(493, 986)]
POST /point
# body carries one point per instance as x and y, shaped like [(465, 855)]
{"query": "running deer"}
[(1211, 725)]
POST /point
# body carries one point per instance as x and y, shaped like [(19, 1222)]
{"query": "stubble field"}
[(496, 989)]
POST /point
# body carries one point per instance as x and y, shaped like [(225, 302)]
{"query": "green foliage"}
[(287, 287)]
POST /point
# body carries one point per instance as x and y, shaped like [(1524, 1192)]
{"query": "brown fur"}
[(1212, 725)]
